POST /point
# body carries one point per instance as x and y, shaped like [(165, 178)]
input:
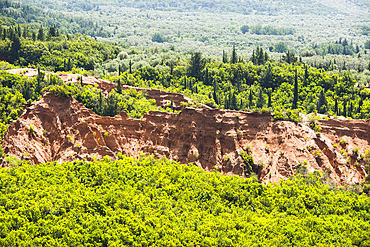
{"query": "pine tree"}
[(295, 99)]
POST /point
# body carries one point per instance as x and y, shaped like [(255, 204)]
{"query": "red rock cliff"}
[(65, 130)]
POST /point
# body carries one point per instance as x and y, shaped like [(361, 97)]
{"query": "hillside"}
[(64, 130)]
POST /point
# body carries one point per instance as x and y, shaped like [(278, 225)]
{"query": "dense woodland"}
[(149, 202)]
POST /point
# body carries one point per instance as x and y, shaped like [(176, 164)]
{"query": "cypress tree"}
[(253, 58), (232, 100), (224, 57), (234, 58), (360, 105), (336, 106), (171, 67), (19, 31), (266, 57), (39, 80), (130, 65), (261, 99), (215, 87), (250, 103), (295, 99), (345, 108), (226, 103), (15, 47), (206, 77), (69, 65), (41, 34), (305, 75), (321, 104), (119, 86), (269, 104), (100, 103)]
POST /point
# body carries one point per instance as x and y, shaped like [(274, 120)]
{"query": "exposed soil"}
[(65, 130)]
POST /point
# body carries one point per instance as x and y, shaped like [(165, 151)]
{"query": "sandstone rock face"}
[(64, 130)]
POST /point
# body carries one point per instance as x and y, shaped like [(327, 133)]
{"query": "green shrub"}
[(287, 115), (31, 130), (13, 161), (248, 162)]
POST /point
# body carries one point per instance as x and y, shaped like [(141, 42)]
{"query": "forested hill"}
[(245, 7), (15, 13)]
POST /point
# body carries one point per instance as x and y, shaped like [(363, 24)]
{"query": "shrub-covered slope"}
[(148, 202)]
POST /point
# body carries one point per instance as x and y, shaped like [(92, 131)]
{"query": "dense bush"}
[(150, 202)]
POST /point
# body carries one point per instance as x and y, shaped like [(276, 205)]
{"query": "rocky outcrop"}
[(58, 129)]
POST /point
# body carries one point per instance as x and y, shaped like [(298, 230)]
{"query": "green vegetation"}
[(287, 88), (51, 50), (149, 202), (131, 101), (15, 13)]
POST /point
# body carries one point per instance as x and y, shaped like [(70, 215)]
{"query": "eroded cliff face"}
[(65, 130)]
